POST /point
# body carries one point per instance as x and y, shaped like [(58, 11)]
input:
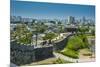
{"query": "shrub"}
[(60, 61), (85, 40), (49, 36), (75, 43)]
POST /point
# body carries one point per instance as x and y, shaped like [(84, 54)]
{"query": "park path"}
[(80, 60), (65, 58)]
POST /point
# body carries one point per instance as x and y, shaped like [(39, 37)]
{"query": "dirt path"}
[(86, 56)]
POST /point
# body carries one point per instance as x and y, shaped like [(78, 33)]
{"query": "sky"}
[(41, 10)]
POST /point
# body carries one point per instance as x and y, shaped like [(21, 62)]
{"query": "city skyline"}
[(51, 11)]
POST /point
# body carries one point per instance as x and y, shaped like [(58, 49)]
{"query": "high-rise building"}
[(27, 19), (83, 19), (71, 20), (19, 18), (15, 18)]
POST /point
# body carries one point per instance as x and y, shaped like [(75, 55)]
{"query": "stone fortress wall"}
[(25, 54)]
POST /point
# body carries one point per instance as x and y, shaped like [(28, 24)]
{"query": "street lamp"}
[(36, 37)]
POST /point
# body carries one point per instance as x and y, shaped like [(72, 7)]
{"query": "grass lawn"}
[(70, 53), (75, 43)]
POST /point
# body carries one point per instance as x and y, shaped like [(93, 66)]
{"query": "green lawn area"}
[(70, 53), (74, 44)]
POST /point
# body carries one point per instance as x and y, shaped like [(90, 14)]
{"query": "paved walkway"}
[(66, 58)]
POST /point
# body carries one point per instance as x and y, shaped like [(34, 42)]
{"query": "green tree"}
[(49, 36), (93, 32), (83, 30), (75, 43), (22, 34)]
